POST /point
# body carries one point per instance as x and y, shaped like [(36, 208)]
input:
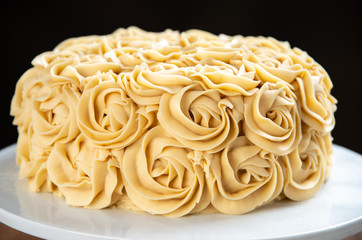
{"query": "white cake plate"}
[(334, 213)]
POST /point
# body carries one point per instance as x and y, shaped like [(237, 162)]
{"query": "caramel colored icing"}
[(174, 123)]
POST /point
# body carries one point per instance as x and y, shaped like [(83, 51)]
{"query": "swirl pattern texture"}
[(174, 123)]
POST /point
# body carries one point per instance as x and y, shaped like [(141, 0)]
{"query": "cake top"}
[(166, 61), (148, 64)]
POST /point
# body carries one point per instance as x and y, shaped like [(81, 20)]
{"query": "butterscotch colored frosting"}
[(174, 123)]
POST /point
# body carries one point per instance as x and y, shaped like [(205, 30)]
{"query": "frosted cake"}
[(174, 123)]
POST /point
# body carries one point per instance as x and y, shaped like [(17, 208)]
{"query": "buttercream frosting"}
[(174, 123)]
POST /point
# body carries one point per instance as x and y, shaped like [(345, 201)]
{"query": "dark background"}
[(329, 32)]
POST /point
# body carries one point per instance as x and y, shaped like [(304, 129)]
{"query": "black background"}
[(329, 31)]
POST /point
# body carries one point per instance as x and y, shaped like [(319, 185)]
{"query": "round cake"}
[(174, 123)]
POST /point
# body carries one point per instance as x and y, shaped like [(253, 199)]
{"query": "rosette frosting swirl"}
[(32, 160), (108, 117), (84, 175), (307, 166), (146, 87), (54, 116), (272, 120), (174, 123), (160, 178), (316, 105), (26, 89), (246, 177), (200, 119)]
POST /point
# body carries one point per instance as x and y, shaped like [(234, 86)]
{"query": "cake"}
[(174, 123)]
